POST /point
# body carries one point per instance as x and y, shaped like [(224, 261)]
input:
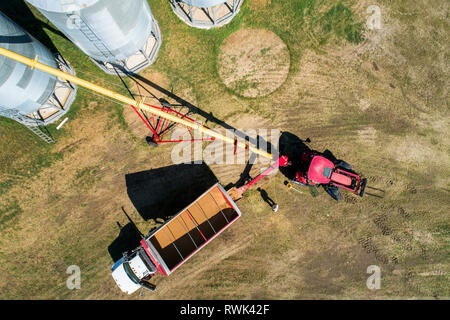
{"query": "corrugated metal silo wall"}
[(21, 88), (203, 3), (106, 30)]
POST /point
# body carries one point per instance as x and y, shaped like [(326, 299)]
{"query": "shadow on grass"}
[(127, 240), (163, 192), (292, 146)]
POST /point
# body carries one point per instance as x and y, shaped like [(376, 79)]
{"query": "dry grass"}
[(382, 105), (253, 62)]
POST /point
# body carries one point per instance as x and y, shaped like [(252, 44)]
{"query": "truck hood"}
[(122, 280)]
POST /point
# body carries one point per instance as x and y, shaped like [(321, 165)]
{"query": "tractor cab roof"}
[(320, 170)]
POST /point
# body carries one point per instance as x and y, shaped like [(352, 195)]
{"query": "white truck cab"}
[(133, 271)]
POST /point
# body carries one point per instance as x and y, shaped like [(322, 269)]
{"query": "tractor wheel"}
[(363, 187), (333, 192), (344, 165)]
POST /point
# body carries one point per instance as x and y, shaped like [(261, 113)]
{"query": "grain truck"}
[(166, 248)]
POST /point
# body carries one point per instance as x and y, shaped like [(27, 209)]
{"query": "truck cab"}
[(133, 271)]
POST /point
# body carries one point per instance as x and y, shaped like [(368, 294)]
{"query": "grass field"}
[(376, 98)]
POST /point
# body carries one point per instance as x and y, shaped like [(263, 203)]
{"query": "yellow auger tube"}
[(138, 104)]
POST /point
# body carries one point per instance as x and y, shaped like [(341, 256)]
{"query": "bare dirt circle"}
[(253, 62)]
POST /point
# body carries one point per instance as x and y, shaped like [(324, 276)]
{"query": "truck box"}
[(187, 232)]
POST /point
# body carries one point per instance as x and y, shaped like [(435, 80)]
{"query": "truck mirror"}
[(147, 285)]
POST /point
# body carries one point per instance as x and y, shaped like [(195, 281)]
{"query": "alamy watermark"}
[(374, 281), (74, 280), (190, 149), (374, 21)]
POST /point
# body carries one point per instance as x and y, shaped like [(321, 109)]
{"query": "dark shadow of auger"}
[(20, 13), (163, 192), (292, 146), (245, 177)]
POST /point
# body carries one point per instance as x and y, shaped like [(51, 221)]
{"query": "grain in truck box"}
[(188, 231)]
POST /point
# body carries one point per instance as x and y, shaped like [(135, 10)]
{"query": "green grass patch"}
[(340, 21), (85, 178), (22, 155), (9, 212), (191, 54)]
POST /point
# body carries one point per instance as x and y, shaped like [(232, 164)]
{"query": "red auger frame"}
[(159, 126), (236, 193)]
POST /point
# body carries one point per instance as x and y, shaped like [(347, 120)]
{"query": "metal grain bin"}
[(120, 36)]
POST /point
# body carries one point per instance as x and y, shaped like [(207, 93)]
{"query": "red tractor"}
[(313, 169)]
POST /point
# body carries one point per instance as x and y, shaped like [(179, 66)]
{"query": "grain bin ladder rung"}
[(40, 134), (91, 36)]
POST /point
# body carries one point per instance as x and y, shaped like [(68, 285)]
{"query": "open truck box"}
[(187, 232)]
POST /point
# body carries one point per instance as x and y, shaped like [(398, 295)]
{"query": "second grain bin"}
[(119, 36), (205, 14)]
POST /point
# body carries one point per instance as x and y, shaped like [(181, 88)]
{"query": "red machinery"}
[(236, 193), (159, 126), (313, 169)]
